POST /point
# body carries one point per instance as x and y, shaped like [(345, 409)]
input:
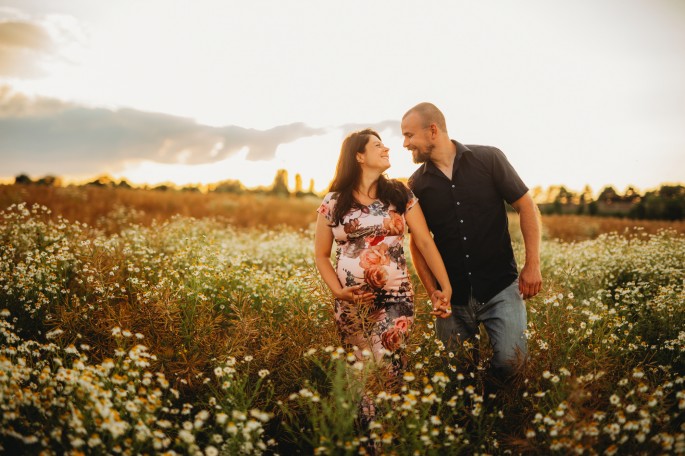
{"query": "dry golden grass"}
[(582, 227), (103, 207), (92, 205)]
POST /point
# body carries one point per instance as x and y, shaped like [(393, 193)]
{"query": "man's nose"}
[(405, 144)]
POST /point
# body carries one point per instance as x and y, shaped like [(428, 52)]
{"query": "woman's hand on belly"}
[(356, 294)]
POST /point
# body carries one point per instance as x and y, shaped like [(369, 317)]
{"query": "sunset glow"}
[(199, 92)]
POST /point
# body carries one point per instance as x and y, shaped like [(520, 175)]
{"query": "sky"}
[(575, 93)]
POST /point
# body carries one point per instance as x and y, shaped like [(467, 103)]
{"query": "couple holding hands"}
[(467, 266)]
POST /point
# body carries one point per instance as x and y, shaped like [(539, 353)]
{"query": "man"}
[(462, 190)]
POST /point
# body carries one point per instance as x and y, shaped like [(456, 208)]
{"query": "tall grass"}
[(191, 335), (113, 209), (110, 209)]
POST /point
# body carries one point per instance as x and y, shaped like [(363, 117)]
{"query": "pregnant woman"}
[(367, 216)]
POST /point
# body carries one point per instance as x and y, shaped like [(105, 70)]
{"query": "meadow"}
[(139, 322)]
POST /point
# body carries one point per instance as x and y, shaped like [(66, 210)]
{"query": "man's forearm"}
[(529, 216)]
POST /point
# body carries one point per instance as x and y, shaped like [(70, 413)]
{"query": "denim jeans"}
[(505, 320)]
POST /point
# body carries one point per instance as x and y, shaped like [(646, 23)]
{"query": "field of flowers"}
[(193, 336)]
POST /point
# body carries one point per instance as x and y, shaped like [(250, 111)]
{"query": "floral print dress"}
[(370, 252)]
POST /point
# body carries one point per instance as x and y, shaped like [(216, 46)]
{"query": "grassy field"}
[(109, 209), (127, 329)]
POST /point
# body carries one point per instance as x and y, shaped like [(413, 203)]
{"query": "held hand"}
[(530, 280), (442, 307), (356, 295)]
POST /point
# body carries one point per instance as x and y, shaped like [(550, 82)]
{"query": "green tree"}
[(229, 186), (280, 186), (23, 179)]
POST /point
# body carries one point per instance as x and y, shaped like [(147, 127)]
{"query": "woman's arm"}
[(323, 240), (428, 264)]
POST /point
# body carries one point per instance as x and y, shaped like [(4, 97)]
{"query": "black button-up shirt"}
[(468, 219)]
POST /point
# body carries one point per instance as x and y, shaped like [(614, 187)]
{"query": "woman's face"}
[(375, 156)]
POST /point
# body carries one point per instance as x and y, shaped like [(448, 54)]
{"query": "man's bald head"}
[(429, 114)]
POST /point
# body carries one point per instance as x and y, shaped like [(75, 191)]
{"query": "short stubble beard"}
[(421, 157)]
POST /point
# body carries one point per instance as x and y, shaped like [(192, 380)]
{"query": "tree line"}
[(665, 203), (235, 186)]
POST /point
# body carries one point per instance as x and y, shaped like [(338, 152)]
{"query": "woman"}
[(367, 214)]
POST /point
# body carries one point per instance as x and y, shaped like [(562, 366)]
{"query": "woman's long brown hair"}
[(348, 173)]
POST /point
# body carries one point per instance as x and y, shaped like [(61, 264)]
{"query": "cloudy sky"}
[(574, 92)]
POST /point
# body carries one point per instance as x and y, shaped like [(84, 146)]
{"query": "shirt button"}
[(467, 256), (469, 273), (464, 237), (458, 203), (453, 186), (461, 221)]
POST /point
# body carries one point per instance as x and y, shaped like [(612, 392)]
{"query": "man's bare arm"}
[(530, 279)]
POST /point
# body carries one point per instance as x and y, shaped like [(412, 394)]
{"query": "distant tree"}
[(23, 179), (311, 187), (102, 181), (666, 203), (584, 200), (163, 188), (608, 195), (552, 192), (229, 186), (191, 189), (592, 208), (298, 184), (631, 195), (280, 186), (123, 183), (564, 196), (586, 194), (49, 181)]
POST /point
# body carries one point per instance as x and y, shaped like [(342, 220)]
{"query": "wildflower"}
[(186, 436), (248, 358), (408, 377), (238, 415), (263, 373), (261, 416)]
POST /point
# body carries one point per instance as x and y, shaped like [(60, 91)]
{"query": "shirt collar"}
[(462, 151)]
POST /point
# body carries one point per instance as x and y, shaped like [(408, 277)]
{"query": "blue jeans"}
[(505, 320)]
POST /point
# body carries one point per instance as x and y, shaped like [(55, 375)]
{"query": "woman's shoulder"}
[(327, 205), (330, 197)]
